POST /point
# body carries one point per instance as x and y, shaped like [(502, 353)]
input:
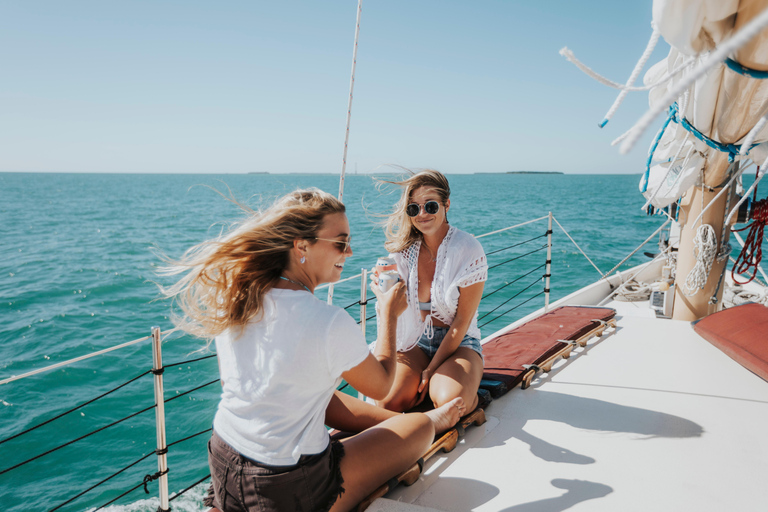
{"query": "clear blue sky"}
[(243, 86)]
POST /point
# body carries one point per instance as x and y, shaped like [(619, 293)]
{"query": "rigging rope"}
[(751, 29), (633, 76), (512, 309), (704, 250), (518, 257), (752, 252)]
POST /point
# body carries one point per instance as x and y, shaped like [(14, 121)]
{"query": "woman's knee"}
[(397, 403)]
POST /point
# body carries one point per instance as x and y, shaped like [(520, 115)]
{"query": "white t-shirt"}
[(280, 374)]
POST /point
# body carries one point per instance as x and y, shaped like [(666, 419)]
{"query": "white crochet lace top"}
[(460, 262)]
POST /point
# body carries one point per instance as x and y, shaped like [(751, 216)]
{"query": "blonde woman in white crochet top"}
[(444, 268)]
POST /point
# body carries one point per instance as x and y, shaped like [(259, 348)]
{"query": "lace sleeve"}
[(475, 269)]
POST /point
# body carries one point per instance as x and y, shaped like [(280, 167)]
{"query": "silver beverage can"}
[(387, 279), (384, 265)]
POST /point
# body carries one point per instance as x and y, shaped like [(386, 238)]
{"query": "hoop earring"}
[(303, 259)]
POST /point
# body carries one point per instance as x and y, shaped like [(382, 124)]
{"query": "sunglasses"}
[(430, 207), (341, 245)]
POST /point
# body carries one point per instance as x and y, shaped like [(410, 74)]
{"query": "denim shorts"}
[(430, 346), (244, 485)]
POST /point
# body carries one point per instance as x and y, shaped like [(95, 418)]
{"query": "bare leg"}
[(404, 391), (380, 453), (458, 376), (349, 414)]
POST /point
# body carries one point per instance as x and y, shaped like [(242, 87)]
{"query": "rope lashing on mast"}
[(732, 150), (752, 252), (705, 251), (744, 70)]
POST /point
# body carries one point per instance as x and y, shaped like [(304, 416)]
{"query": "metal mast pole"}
[(349, 116)]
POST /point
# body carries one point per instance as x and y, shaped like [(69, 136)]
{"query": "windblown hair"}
[(398, 228), (225, 278)]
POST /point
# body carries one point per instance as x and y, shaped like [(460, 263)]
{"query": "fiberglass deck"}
[(651, 417)]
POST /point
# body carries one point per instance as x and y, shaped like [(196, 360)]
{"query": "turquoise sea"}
[(77, 272)]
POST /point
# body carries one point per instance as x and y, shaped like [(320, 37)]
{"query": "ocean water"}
[(77, 272)]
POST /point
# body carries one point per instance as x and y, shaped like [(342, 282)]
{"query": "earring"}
[(303, 259)]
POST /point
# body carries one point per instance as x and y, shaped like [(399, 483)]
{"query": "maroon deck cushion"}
[(742, 333), (536, 341)]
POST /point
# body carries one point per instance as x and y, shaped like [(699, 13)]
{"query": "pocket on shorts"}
[(277, 492), (219, 473)]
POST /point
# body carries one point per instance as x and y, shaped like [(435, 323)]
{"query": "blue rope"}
[(651, 151), (733, 150), (743, 70)]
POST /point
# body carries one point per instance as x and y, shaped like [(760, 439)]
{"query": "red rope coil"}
[(752, 252)]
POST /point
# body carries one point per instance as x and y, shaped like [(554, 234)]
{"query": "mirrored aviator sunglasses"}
[(430, 207)]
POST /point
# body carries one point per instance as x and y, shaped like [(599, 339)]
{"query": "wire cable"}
[(515, 245), (509, 299), (76, 440), (514, 308), (516, 280), (73, 409), (518, 257)]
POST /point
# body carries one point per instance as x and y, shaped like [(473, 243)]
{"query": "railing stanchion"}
[(363, 298), (548, 272), (162, 449)]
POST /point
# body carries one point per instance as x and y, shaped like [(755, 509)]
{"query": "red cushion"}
[(742, 333), (536, 341)]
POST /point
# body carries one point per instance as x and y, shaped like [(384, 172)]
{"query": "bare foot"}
[(447, 415)]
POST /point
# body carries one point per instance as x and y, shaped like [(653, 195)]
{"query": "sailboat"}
[(659, 404)]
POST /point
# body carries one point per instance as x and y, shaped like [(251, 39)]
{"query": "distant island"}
[(535, 172), (258, 172)]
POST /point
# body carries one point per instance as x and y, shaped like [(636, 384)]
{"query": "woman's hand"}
[(393, 301), (423, 390)]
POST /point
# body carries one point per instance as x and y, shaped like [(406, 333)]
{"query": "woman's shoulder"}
[(460, 238)]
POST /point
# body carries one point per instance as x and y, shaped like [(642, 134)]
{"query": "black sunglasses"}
[(430, 207)]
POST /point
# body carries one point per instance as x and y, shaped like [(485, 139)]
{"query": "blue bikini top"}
[(425, 306)]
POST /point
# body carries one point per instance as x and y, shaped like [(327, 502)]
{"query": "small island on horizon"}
[(523, 172), (535, 172)]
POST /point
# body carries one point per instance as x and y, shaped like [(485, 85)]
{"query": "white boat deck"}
[(651, 417)]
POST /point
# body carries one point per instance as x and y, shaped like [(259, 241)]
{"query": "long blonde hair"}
[(226, 277), (398, 228)]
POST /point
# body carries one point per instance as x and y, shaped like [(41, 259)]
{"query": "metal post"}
[(363, 298), (162, 449), (548, 272)]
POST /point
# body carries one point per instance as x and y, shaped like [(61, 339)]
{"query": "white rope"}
[(75, 360), (568, 54), (746, 146), (715, 58), (632, 291), (577, 246), (704, 250), (633, 76), (748, 193)]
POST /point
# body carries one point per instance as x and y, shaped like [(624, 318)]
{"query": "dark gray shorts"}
[(241, 484)]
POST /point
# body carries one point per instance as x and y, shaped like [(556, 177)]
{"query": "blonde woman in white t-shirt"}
[(445, 270), (282, 353)]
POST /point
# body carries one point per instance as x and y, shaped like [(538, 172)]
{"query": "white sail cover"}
[(722, 104)]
